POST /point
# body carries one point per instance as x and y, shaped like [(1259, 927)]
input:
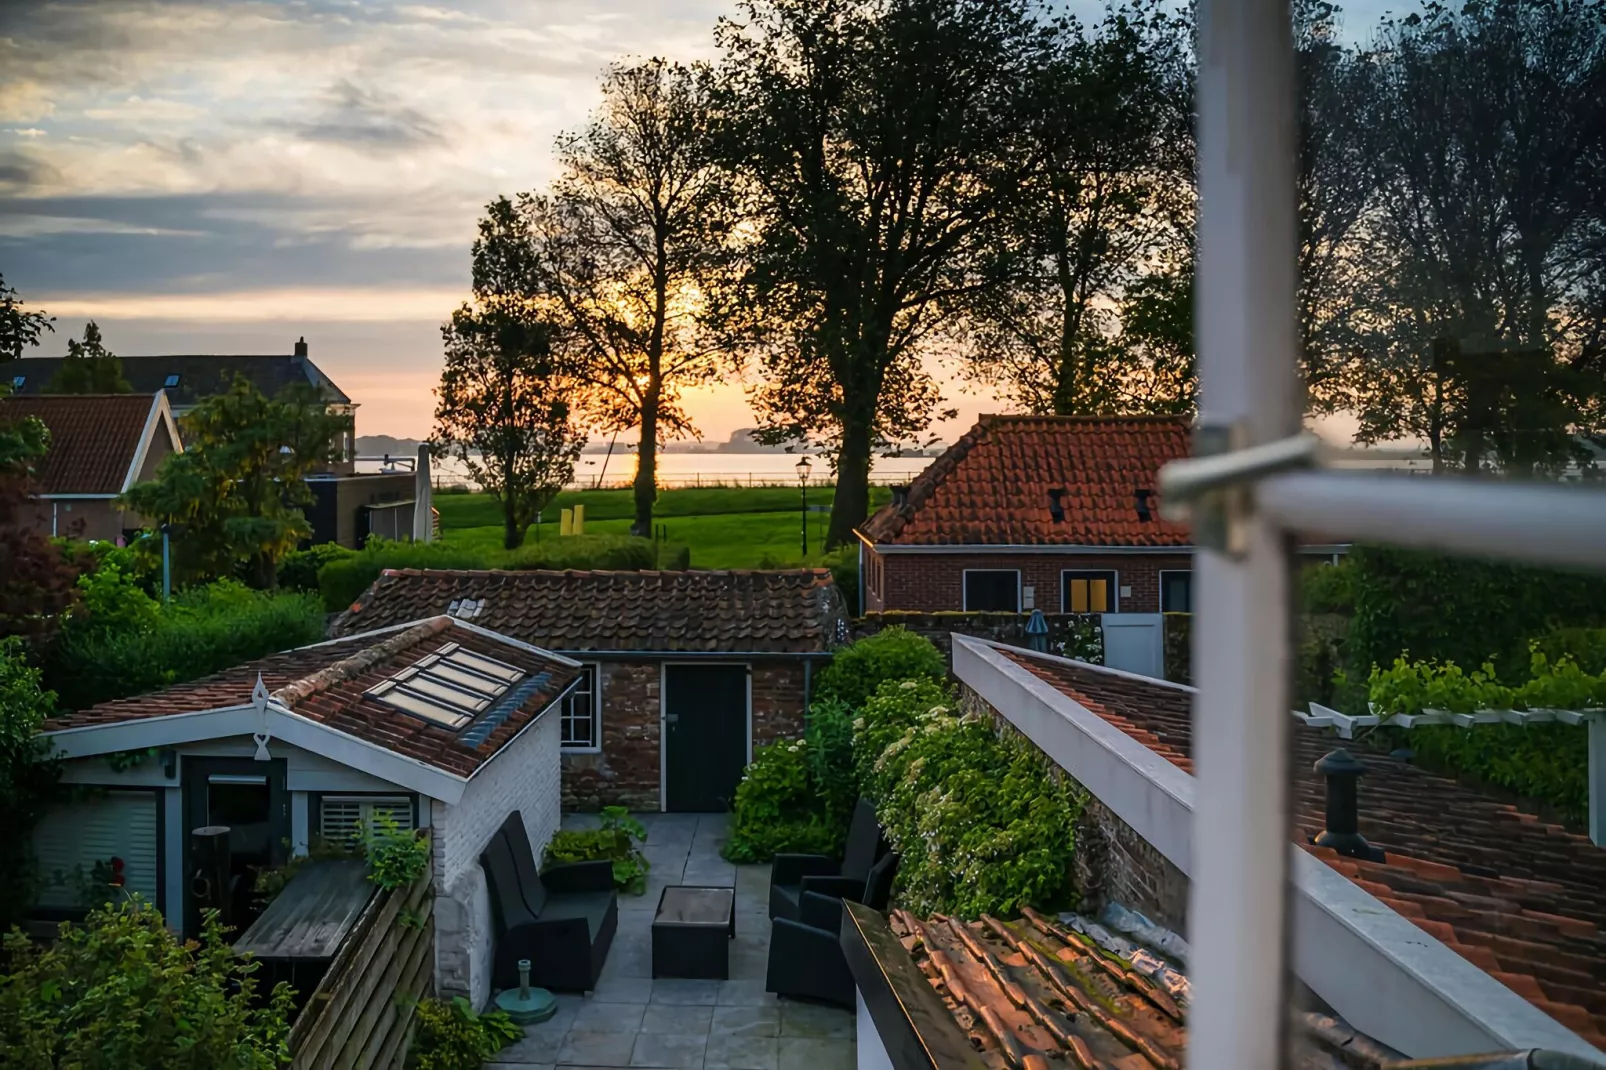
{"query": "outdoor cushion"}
[(793, 874), (592, 906)]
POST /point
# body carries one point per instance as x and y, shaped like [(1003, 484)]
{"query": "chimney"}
[(301, 347), (1056, 504), (1141, 496), (900, 497), (1343, 831)]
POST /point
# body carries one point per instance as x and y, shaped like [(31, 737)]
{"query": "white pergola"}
[(1255, 483)]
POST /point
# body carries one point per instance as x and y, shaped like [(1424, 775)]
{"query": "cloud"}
[(369, 119), (21, 171)]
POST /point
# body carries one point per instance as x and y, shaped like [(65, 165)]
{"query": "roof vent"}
[(301, 347), (1056, 504), (900, 497), (1343, 831), (1141, 497)]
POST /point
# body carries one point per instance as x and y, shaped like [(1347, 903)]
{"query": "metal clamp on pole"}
[(1211, 490)]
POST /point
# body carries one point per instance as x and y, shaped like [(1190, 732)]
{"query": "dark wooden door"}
[(249, 798), (705, 736)]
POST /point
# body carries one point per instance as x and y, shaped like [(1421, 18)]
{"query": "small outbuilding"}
[(683, 673)]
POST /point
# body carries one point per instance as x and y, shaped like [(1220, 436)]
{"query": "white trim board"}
[(1378, 970)]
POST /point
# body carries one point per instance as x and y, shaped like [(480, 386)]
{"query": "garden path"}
[(631, 1020)]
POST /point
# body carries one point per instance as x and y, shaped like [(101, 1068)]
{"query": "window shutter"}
[(344, 819), (71, 838)]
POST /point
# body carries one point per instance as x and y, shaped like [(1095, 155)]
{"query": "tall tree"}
[(1110, 196), (37, 580), (20, 326), (1491, 148), (238, 489), (623, 247), (504, 407), (877, 143), (89, 367)]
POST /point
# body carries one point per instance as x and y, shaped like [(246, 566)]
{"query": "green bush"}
[(798, 795), (1467, 611), (298, 570), (980, 822), (1586, 646), (121, 990), (1326, 588), (397, 857), (859, 669), (674, 556), (452, 1036), (343, 580), (616, 840), (201, 631), (28, 781), (844, 566)]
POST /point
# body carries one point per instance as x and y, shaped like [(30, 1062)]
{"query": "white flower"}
[(937, 711), (909, 685), (858, 724)]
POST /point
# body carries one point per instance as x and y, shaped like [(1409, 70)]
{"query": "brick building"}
[(100, 446), (685, 672), (1058, 513)]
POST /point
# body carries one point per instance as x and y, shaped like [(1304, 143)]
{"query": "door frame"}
[(194, 773), (663, 723), (1115, 588)]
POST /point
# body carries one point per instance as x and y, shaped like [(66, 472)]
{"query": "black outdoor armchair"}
[(562, 920), (793, 874), (806, 960)]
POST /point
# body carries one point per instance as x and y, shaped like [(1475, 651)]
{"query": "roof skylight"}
[(450, 687), (171, 380)]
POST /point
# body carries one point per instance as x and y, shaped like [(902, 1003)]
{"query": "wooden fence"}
[(361, 1013)]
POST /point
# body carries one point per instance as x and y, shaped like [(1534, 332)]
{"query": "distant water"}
[(701, 469)]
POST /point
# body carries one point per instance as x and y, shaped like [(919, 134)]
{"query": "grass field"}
[(725, 527)]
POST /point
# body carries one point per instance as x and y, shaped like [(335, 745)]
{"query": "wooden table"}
[(303, 927)]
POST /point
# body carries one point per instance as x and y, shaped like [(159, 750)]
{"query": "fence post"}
[(1597, 779)]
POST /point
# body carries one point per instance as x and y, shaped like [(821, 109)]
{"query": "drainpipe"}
[(808, 686)]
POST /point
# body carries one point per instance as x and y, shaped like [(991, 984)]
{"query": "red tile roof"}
[(328, 684), (1520, 898), (783, 611), (991, 487), (94, 438)]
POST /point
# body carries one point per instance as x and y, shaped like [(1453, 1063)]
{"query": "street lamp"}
[(803, 467)]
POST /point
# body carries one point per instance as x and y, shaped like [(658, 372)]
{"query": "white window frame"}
[(1164, 572), (595, 671), (964, 589), (1250, 420), (1115, 588)]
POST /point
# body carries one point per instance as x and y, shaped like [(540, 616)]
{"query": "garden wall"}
[(361, 1013), (1072, 635)]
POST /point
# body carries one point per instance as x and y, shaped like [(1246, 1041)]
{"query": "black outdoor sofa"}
[(793, 875), (562, 920), (806, 960)]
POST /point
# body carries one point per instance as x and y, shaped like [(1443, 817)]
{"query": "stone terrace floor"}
[(632, 1020)]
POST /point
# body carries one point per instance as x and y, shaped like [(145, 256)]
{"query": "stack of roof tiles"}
[(93, 438), (1523, 899), (780, 611), (328, 684), (992, 486)]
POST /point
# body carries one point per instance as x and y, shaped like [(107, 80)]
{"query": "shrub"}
[(1586, 646), (586, 551), (844, 566), (1326, 588), (201, 631), (121, 990), (396, 856), (298, 569), (980, 822), (776, 808), (857, 670), (615, 839), (452, 1036), (674, 556), (27, 783)]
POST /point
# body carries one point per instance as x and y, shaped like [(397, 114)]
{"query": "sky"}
[(226, 176)]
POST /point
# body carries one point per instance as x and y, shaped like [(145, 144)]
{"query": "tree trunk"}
[(646, 486), (512, 530), (851, 503)]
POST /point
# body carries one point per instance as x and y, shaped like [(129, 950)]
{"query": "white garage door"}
[(76, 835)]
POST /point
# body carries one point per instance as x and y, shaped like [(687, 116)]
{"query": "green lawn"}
[(737, 527)]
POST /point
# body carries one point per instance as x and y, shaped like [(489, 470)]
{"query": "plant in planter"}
[(453, 1036), (617, 839)]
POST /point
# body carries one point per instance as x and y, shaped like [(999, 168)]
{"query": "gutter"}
[(695, 655)]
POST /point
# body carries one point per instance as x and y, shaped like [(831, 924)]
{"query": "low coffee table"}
[(691, 932)]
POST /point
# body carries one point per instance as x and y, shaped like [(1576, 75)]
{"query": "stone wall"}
[(1113, 863), (626, 771), (525, 776), (1072, 635)]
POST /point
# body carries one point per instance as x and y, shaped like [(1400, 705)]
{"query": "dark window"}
[(171, 380), (992, 590), (580, 728), (1087, 592), (1176, 592)]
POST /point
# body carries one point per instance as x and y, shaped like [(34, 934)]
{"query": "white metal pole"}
[(1248, 387)]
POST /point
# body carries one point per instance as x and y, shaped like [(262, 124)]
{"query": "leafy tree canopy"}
[(27, 779), (20, 326), (89, 367)]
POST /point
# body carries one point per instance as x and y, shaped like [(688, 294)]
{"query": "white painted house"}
[(438, 723)]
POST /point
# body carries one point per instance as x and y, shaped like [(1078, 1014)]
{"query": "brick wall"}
[(935, 582), (626, 772), (1113, 863), (1071, 635), (524, 776)]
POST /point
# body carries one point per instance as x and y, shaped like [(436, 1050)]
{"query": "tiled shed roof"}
[(1520, 898), (327, 684), (991, 488), (94, 438), (784, 611)]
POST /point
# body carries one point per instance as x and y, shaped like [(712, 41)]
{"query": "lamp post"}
[(803, 467)]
